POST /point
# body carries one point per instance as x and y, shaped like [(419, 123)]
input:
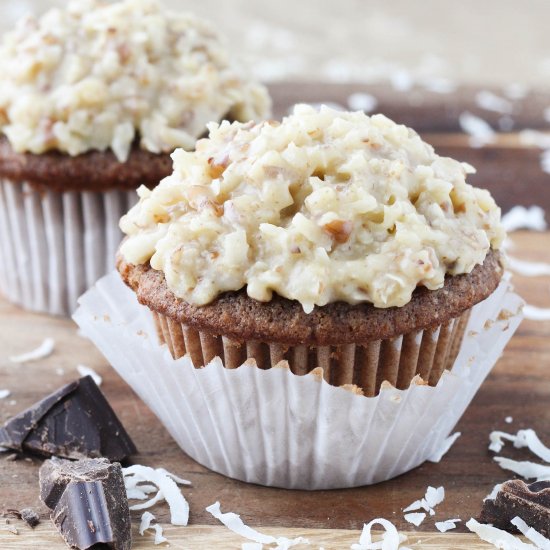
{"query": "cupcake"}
[(324, 280), (333, 242), (93, 99)]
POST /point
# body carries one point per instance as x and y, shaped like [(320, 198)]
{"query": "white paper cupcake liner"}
[(275, 428), (53, 246)]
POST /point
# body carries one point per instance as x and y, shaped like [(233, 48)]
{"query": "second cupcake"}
[(93, 98)]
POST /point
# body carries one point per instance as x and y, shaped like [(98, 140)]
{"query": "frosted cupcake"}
[(330, 240), (93, 99)]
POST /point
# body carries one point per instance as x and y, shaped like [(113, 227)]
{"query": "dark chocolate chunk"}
[(530, 502), (490, 513), (55, 474), (74, 422), (88, 502), (30, 517)]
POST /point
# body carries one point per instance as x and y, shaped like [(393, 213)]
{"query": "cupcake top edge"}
[(97, 76), (325, 206)]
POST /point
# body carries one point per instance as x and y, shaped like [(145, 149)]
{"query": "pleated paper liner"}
[(423, 353), (55, 245), (271, 427)]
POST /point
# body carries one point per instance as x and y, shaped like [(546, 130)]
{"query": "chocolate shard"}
[(530, 502), (76, 421), (88, 502), (30, 517), (56, 474)]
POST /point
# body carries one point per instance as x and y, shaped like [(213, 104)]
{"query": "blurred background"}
[(472, 77), (438, 43)]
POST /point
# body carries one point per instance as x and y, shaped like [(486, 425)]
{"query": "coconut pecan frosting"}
[(95, 76), (325, 206)]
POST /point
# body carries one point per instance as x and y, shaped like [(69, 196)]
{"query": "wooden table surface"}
[(519, 386)]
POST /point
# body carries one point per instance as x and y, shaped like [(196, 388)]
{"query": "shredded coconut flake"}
[(534, 536), (444, 526), (145, 524), (431, 499), (444, 448), (535, 313), (401, 80), (159, 497), (417, 505), (491, 102), (362, 102), (159, 538), (480, 131), (146, 520), (4, 394), (497, 537), (136, 494), (140, 492), (529, 269), (435, 496), (439, 85), (234, 523), (509, 419), (41, 352), (167, 490), (525, 469), (83, 370), (177, 479), (416, 518), (520, 217), (495, 441), (391, 539), (516, 90), (545, 161), (524, 438)]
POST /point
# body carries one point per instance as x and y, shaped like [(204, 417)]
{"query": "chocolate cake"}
[(96, 171)]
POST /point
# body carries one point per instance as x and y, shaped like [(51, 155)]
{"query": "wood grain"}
[(203, 537)]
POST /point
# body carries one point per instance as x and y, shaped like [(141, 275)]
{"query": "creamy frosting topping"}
[(322, 207), (95, 76)]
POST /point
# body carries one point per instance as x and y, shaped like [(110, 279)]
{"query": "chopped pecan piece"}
[(339, 230)]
